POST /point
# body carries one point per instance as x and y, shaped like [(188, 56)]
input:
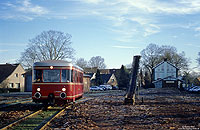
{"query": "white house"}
[(165, 74)]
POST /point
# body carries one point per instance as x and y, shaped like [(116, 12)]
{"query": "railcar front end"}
[(56, 82)]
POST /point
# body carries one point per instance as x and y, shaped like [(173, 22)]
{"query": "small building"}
[(103, 71), (106, 79), (165, 74), (197, 81), (28, 81), (86, 83), (109, 79), (12, 77), (167, 82)]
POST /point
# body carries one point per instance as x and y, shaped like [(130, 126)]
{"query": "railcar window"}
[(51, 75), (78, 77), (65, 76), (72, 78), (37, 76), (81, 77), (75, 76)]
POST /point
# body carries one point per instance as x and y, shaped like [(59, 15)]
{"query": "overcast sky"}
[(113, 29)]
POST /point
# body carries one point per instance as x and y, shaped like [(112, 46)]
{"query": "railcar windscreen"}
[(51, 75)]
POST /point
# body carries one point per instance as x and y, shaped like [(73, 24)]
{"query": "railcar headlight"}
[(38, 89), (63, 89)]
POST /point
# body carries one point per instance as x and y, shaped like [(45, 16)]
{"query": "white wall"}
[(164, 70)]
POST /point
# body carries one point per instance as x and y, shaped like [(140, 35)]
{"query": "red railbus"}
[(56, 81)]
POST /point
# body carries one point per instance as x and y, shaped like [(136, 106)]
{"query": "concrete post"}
[(130, 96)]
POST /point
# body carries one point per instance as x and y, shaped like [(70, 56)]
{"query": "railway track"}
[(4, 104), (36, 120), (39, 119)]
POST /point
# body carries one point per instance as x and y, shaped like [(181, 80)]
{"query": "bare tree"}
[(98, 62), (154, 54), (178, 59), (150, 57), (81, 62), (128, 66), (49, 45), (190, 76)]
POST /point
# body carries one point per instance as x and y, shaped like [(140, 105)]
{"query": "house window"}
[(112, 80), (162, 68), (18, 85), (11, 85), (16, 75), (158, 76)]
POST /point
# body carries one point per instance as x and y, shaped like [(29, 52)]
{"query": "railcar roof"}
[(55, 63)]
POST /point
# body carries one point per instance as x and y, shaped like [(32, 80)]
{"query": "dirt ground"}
[(165, 108)]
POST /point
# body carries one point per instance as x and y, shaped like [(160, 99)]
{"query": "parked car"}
[(95, 88), (103, 87), (187, 88), (195, 89), (108, 87)]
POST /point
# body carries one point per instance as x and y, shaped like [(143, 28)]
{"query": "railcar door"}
[(73, 85)]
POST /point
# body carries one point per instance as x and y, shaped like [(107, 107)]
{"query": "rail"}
[(9, 103), (23, 118), (41, 118)]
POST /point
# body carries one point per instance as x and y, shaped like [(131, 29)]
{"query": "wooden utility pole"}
[(130, 96)]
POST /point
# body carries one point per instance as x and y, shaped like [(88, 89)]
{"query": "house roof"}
[(164, 62), (87, 75), (90, 74), (90, 70), (103, 71), (6, 70), (94, 70), (105, 77)]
